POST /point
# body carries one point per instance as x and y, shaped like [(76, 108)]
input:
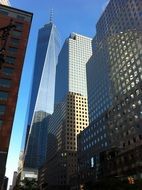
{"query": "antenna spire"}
[(51, 15)]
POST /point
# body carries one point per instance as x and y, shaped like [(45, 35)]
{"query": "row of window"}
[(2, 109), (1, 123), (6, 13), (3, 95), (6, 83), (7, 71)]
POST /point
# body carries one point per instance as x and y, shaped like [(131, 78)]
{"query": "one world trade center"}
[(42, 97)]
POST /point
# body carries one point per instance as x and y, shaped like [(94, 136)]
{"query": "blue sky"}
[(78, 16)]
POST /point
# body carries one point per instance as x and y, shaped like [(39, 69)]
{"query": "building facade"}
[(114, 86), (93, 140), (72, 61), (10, 72), (42, 96), (14, 181), (5, 183), (70, 115), (69, 118)]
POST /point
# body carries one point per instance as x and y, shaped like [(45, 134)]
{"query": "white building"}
[(5, 2), (15, 174)]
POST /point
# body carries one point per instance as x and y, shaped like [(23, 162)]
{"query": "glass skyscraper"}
[(74, 55), (42, 95), (119, 25), (114, 77)]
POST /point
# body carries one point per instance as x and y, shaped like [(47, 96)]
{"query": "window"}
[(12, 49), (7, 70), (16, 33), (10, 60), (5, 83), (2, 109), (3, 95), (92, 162), (3, 12), (20, 17), (15, 41), (1, 122)]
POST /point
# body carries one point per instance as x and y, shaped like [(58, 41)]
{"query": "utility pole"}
[(4, 34)]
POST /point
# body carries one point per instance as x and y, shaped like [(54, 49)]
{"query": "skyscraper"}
[(4, 2), (10, 71), (42, 96), (102, 89), (114, 75), (75, 53), (71, 111)]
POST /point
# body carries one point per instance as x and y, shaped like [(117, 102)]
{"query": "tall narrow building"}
[(10, 70), (71, 111), (42, 96)]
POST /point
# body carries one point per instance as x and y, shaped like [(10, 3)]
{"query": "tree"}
[(27, 184)]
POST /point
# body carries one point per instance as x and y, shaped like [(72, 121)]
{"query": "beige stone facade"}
[(68, 120)]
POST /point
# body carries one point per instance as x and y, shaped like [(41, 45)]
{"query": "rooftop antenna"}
[(51, 15)]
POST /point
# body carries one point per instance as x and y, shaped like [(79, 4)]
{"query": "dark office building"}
[(114, 75), (13, 44), (5, 183)]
